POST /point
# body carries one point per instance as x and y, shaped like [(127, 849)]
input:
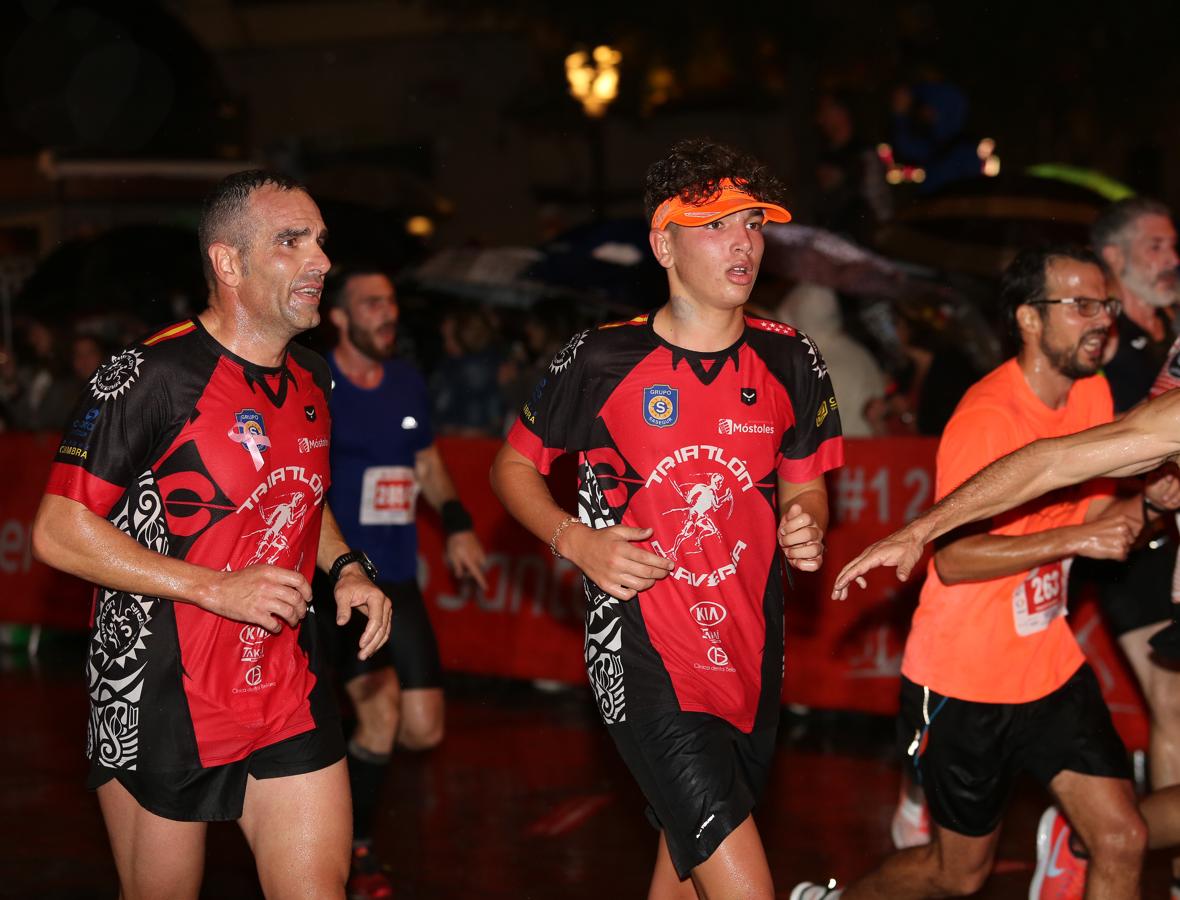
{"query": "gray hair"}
[(1112, 223)]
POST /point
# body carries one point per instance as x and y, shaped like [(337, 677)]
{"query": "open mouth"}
[(1093, 343), (740, 274), (310, 292)]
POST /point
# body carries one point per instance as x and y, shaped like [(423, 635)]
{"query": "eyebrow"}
[(287, 233)]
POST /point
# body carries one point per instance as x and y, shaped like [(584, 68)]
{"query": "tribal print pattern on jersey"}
[(691, 445), (198, 455)]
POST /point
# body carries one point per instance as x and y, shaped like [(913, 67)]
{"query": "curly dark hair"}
[(694, 168)]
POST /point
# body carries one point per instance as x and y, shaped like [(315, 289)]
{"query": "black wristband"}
[(1147, 504), (455, 517)]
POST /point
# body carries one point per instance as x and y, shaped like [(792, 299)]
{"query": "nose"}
[(319, 264), (743, 241)]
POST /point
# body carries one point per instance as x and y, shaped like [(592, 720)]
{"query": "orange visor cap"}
[(726, 200)]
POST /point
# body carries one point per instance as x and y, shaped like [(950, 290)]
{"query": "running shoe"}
[(809, 890), (911, 823), (366, 881), (1060, 874)]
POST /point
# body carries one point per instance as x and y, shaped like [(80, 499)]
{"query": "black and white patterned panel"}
[(604, 653), (118, 649), (593, 509), (604, 623)]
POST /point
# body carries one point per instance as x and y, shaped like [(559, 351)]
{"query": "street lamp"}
[(594, 78), (594, 82)]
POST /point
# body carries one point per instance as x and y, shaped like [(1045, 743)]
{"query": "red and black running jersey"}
[(690, 445), (202, 456)]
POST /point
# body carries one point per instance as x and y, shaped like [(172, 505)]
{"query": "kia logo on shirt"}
[(707, 613)]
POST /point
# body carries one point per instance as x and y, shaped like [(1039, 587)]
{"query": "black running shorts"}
[(216, 794), (966, 754), (700, 775), (1135, 593), (411, 651)]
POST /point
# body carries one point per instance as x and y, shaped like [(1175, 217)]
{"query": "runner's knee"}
[(1121, 840), (377, 698), (421, 735)]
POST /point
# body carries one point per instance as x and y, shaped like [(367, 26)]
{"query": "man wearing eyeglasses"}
[(1137, 241), (993, 681)]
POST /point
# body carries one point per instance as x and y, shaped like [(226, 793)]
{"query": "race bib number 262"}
[(1040, 598)]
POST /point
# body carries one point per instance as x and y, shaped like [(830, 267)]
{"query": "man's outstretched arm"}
[(1139, 442)]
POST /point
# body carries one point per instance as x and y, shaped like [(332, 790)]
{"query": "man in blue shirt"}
[(382, 455)]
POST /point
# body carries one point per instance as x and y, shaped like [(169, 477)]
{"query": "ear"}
[(1115, 259), (661, 246), (338, 318), (227, 264), (1028, 320)]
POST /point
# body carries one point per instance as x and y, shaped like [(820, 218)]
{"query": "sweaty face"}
[(285, 264), (1072, 343), (371, 306), (716, 264), (1149, 270)]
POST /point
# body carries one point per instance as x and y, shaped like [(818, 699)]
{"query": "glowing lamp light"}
[(594, 78), (918, 175), (893, 175), (420, 226), (989, 162)]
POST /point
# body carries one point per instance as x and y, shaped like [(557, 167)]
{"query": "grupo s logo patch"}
[(660, 405)]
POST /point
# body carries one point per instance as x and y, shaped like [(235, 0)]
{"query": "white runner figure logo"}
[(278, 519), (703, 499)]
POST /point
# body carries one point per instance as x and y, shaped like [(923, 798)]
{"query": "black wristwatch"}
[(353, 556)]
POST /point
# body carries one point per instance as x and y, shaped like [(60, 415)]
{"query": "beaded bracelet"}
[(562, 526)]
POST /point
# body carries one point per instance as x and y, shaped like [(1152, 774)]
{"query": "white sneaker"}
[(809, 890), (911, 824)]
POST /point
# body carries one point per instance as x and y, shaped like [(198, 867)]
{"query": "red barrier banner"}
[(30, 591), (529, 623)]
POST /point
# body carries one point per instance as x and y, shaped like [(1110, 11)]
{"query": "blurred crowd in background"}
[(508, 213)]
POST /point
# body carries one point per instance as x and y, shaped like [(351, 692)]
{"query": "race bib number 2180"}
[(1040, 598)]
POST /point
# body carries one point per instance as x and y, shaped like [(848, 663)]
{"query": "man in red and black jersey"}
[(190, 488), (702, 433)]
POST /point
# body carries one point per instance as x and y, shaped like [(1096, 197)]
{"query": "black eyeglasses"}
[(1088, 307)]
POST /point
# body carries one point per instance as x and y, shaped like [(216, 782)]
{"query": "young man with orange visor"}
[(702, 435)]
